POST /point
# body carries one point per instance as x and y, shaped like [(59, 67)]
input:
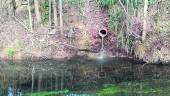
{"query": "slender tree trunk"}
[(30, 16), (13, 6), (55, 13), (127, 22), (0, 4), (49, 14), (37, 12), (127, 28), (61, 16), (10, 8), (145, 20)]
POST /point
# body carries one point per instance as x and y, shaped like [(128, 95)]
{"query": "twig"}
[(127, 15), (21, 23)]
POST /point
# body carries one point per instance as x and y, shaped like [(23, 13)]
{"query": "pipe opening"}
[(102, 33)]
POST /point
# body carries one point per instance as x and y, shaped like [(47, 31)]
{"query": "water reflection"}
[(83, 77)]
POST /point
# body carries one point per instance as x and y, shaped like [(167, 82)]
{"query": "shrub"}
[(106, 4), (115, 19), (44, 7), (10, 51)]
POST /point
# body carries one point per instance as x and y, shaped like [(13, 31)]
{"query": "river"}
[(84, 77)]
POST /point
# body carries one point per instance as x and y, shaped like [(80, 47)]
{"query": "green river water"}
[(83, 77)]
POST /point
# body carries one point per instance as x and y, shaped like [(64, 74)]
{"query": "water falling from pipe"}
[(102, 33), (102, 54)]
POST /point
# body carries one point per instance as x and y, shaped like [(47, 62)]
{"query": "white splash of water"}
[(102, 55)]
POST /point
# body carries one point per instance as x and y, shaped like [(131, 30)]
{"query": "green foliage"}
[(49, 93), (76, 2), (121, 39), (106, 4), (44, 7), (108, 90), (135, 4), (129, 43), (10, 51), (146, 87), (163, 27), (152, 2), (125, 41), (115, 18)]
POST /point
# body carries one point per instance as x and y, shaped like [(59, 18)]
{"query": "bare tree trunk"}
[(11, 7), (126, 36), (1, 7), (127, 22), (30, 16), (55, 13), (0, 4), (14, 6), (37, 12), (49, 23), (61, 16), (145, 20)]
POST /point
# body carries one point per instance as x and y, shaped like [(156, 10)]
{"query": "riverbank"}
[(19, 44)]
